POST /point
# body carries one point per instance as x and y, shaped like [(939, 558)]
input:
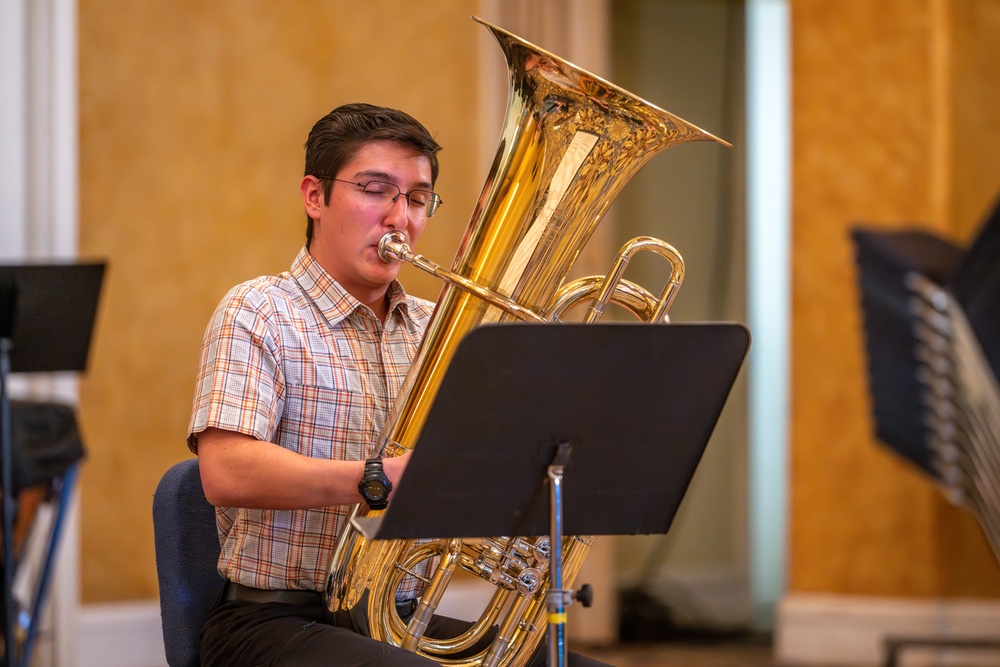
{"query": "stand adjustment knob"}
[(585, 595)]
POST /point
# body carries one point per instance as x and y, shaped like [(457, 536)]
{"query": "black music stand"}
[(623, 412), (47, 315), (906, 376), (885, 259)]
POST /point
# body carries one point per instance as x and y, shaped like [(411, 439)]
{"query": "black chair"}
[(187, 554)]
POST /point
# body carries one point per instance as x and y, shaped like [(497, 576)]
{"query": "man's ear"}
[(312, 196)]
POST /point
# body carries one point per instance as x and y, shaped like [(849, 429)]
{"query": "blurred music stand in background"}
[(932, 336), (623, 412), (47, 314)]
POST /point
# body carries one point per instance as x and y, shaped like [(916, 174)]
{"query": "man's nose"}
[(397, 215)]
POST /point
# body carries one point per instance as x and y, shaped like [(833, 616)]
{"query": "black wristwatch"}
[(374, 485)]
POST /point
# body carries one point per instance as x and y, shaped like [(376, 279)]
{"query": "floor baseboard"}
[(852, 630), (122, 634)]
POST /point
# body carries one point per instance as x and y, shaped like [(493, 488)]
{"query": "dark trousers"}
[(246, 634)]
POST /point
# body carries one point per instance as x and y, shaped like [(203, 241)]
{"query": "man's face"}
[(346, 231)]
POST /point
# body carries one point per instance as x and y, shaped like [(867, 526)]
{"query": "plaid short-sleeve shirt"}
[(295, 360)]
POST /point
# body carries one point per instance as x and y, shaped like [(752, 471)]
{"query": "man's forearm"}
[(238, 470)]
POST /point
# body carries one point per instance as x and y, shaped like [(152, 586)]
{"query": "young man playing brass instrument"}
[(298, 374)]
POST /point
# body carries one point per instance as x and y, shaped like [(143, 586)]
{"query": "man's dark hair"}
[(337, 137)]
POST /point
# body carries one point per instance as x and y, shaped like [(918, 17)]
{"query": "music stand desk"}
[(47, 314), (635, 403)]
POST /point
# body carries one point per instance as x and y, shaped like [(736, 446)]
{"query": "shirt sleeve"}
[(240, 386)]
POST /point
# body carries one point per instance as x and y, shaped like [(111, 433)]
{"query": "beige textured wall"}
[(895, 109), (193, 116)]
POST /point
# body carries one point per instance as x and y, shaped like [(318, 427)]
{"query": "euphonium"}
[(570, 143)]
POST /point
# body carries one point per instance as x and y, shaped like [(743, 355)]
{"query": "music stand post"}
[(557, 599), (634, 404), (47, 314), (9, 508)]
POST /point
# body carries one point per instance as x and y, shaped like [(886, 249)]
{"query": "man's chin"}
[(383, 274)]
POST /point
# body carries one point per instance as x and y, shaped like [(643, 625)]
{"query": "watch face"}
[(374, 489)]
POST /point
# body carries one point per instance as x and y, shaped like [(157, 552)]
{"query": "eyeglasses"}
[(379, 194)]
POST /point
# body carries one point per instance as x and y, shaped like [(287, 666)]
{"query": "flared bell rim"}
[(699, 134)]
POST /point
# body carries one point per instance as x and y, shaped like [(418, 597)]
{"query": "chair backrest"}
[(187, 554)]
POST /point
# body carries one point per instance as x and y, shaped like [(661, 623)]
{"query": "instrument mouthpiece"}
[(392, 247)]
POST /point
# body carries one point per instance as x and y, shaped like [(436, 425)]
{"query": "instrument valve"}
[(528, 581), (542, 548), (523, 548)]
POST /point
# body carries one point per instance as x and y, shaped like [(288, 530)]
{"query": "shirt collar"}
[(332, 300)]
